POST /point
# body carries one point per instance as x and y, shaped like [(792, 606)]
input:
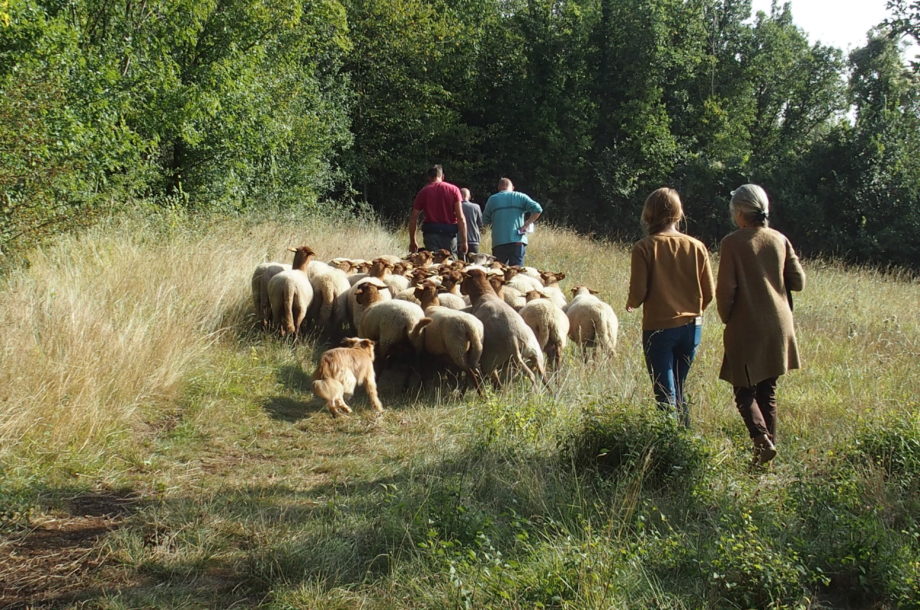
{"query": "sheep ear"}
[(292, 249), (593, 291), (560, 276)]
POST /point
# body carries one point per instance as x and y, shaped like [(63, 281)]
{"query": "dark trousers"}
[(472, 247), (510, 254), (440, 241), (757, 406), (669, 352)]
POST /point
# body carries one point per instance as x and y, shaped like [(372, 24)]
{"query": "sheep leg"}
[(496, 380), (528, 372), (475, 377)]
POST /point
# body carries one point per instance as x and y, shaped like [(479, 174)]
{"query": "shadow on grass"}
[(285, 408)]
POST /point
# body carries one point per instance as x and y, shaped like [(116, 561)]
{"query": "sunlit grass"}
[(130, 360)]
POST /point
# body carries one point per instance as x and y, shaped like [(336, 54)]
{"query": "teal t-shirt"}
[(505, 211)]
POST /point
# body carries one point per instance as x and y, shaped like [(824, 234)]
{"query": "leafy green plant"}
[(617, 439)]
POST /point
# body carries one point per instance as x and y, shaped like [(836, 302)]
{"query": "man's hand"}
[(413, 247), (462, 247)]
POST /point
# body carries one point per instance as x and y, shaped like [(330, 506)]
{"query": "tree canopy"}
[(587, 105)]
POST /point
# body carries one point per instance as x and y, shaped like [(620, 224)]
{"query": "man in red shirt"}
[(439, 203)]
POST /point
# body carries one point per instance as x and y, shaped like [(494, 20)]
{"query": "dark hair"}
[(435, 171)]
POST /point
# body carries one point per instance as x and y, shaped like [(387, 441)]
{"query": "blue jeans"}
[(669, 352), (510, 254)]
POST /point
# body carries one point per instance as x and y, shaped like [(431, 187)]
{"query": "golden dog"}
[(340, 369)]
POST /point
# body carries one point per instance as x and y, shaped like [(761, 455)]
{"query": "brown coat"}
[(757, 267)]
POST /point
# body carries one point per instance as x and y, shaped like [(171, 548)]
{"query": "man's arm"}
[(531, 219), (461, 226), (413, 225)]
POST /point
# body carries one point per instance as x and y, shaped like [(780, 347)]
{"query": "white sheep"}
[(506, 337), (456, 335), (592, 322), (329, 304), (354, 311), (290, 294), (551, 287), (260, 278), (388, 322), (549, 324)]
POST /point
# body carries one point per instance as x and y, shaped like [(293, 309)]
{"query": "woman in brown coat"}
[(757, 269)]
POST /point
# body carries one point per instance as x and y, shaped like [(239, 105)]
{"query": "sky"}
[(839, 23)]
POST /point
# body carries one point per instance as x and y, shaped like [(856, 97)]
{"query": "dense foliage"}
[(586, 104)]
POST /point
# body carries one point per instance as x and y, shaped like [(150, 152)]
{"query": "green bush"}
[(753, 573), (615, 439)]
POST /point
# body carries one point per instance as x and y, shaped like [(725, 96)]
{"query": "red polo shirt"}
[(437, 201)]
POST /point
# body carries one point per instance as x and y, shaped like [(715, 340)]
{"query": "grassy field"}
[(158, 451)]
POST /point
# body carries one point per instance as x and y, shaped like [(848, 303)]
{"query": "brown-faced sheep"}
[(341, 369), (388, 322), (290, 294), (506, 337), (551, 287), (354, 311)]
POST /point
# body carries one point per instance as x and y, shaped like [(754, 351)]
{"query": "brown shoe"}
[(764, 449)]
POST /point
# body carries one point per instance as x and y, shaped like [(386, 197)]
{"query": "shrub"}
[(753, 573), (625, 439)]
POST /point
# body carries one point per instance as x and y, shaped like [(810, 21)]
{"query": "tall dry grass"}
[(100, 324), (103, 326)]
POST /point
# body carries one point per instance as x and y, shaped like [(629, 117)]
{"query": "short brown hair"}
[(661, 208), (434, 172)]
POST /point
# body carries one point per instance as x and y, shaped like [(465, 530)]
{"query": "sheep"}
[(454, 334), (480, 258), (329, 287), (591, 321), (523, 283), (507, 339), (420, 259), (290, 294), (551, 287), (354, 311), (388, 322), (340, 369), (510, 295), (260, 278), (549, 324)]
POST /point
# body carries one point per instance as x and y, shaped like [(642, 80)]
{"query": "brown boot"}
[(764, 449)]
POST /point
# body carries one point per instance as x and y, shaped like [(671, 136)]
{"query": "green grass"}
[(185, 459)]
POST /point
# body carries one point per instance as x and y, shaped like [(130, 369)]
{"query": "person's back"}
[(671, 279), (473, 215), (506, 211), (511, 215), (439, 204)]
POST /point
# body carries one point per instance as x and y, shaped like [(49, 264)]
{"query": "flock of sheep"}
[(480, 318)]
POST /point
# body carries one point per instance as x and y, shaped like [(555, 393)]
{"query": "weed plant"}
[(131, 368)]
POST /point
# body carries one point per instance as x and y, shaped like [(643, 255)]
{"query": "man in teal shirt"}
[(511, 214)]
